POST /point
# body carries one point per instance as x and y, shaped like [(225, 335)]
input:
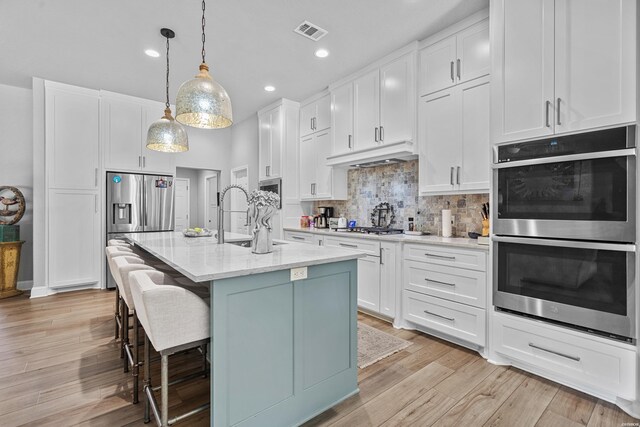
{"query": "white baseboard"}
[(25, 285), (43, 291), (39, 292)]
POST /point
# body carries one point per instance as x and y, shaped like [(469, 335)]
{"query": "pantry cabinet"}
[(456, 59), (544, 83), (454, 139), (124, 124), (315, 116), (270, 144)]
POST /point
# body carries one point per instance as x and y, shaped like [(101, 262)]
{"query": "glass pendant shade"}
[(202, 103), (167, 135)]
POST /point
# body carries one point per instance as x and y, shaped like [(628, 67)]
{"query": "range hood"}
[(383, 154)]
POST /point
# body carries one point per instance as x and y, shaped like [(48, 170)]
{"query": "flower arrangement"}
[(261, 198)]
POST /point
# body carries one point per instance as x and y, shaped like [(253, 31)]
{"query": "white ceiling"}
[(250, 43)]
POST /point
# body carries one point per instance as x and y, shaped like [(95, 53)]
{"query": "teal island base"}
[(283, 351)]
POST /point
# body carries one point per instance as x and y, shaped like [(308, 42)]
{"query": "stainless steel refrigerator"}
[(138, 204)]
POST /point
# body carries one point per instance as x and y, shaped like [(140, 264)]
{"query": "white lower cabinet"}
[(298, 237), (595, 365), (369, 283), (74, 249), (445, 290)]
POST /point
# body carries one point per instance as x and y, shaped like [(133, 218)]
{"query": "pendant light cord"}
[(167, 84), (203, 36)]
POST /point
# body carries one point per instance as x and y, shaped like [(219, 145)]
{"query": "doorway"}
[(182, 203), (211, 201), (238, 204)]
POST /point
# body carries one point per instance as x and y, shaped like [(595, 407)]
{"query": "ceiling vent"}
[(310, 31)]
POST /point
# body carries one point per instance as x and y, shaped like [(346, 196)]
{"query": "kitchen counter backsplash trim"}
[(398, 185)]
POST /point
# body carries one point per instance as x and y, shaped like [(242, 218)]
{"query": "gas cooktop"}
[(372, 230)]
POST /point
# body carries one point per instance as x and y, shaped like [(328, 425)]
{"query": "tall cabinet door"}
[(307, 167), (473, 52), (322, 145), (307, 113), (155, 161), (275, 171), (522, 69), (397, 100), (369, 283), (74, 238), (342, 119), (72, 120), (437, 66), (366, 109), (474, 167), (121, 127), (595, 59), (439, 141), (388, 280), (264, 147), (323, 114)]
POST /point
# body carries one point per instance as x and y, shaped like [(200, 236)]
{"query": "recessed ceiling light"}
[(152, 53), (269, 88), (322, 53)]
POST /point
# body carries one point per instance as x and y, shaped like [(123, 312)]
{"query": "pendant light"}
[(201, 102), (166, 134)]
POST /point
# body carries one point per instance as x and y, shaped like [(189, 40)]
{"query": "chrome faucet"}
[(221, 210)]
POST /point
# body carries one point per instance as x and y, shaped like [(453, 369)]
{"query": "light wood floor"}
[(59, 366)]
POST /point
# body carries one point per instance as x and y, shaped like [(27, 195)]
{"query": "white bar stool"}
[(111, 252), (174, 319), (123, 266)]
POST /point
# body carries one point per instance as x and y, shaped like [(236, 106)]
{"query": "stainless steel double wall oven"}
[(564, 225)]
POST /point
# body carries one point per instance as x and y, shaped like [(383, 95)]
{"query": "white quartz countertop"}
[(460, 242), (202, 259)]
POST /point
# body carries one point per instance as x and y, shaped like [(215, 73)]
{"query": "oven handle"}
[(567, 158), (619, 247)]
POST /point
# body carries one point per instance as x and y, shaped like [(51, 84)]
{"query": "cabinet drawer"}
[(458, 320), (444, 255), (368, 246), (455, 284), (298, 237), (581, 360)]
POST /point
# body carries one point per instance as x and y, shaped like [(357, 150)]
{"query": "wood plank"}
[(551, 419), (606, 414), (525, 406), (573, 405), (466, 378)]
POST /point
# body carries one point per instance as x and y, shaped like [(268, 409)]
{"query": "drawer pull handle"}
[(297, 237), (439, 282), (557, 353), (451, 319), (347, 245), (439, 256)]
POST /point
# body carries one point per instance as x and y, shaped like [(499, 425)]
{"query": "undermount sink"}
[(247, 243)]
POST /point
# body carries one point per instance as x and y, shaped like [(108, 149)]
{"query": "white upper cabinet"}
[(72, 117), (324, 177), (556, 71), (595, 63), (397, 100), (317, 180), (456, 59), (366, 110), (270, 144), (342, 118), (124, 122), (316, 116), (454, 139)]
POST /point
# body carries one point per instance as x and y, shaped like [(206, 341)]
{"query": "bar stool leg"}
[(147, 377), (136, 366), (164, 389), (122, 327), (117, 313), (125, 333), (204, 361)]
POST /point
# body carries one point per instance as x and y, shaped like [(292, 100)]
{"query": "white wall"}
[(244, 149), (16, 163), (194, 194)]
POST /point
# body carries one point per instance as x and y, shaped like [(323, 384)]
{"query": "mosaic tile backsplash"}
[(397, 184)]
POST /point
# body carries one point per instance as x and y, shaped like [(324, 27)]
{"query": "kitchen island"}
[(282, 350)]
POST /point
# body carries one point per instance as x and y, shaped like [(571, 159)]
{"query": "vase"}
[(261, 242)]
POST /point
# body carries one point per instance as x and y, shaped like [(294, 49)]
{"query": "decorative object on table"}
[(383, 215), (473, 235), (166, 134), (9, 267), (262, 206), (485, 219), (375, 345), (12, 205), (446, 222), (197, 232), (202, 102)]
